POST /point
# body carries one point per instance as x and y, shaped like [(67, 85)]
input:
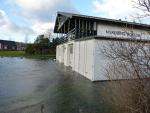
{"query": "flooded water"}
[(28, 84)]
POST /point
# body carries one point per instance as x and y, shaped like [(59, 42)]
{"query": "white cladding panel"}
[(70, 55), (76, 56), (66, 55), (100, 61), (89, 59), (121, 32), (60, 53), (63, 54), (84, 58), (57, 52), (81, 57)]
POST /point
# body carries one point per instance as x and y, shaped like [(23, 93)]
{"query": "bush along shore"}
[(41, 48)]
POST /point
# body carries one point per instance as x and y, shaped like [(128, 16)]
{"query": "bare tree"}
[(129, 59), (134, 55), (143, 5), (49, 34)]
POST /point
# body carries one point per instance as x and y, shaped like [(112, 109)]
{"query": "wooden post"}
[(79, 30), (86, 28), (92, 28), (64, 29), (89, 28), (82, 28), (76, 29), (68, 25)]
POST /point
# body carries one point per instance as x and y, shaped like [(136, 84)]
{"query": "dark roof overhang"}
[(62, 17)]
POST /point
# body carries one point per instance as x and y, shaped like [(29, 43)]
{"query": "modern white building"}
[(82, 38)]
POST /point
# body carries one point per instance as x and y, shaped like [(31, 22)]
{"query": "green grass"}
[(12, 53), (22, 54)]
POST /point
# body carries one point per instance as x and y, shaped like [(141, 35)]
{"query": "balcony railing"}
[(76, 34)]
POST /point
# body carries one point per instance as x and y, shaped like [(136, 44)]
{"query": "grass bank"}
[(23, 54)]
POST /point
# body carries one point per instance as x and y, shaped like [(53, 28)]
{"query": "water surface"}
[(28, 84)]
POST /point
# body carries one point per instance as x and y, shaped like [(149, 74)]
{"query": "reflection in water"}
[(33, 85)]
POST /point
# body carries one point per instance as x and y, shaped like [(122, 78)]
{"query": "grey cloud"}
[(46, 12), (7, 24)]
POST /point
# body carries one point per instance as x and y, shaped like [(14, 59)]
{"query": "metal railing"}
[(67, 37), (71, 34), (76, 34)]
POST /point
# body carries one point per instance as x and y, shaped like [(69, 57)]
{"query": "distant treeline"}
[(42, 45)]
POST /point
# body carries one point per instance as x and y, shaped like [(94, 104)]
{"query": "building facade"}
[(7, 45), (82, 38)]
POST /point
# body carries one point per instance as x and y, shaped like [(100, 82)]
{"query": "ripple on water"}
[(27, 84)]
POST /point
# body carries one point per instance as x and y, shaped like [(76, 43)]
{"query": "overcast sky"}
[(22, 19)]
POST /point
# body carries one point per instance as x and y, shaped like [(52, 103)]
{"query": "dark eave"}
[(65, 16), (7, 42)]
